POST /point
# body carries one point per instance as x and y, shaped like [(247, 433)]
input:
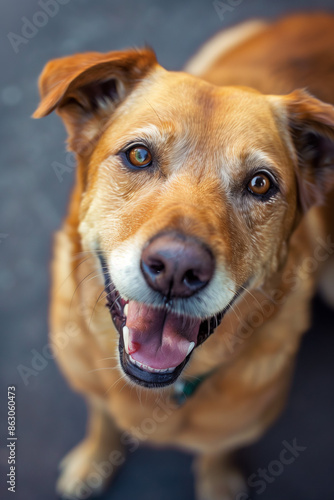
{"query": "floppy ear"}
[(84, 89), (311, 124)]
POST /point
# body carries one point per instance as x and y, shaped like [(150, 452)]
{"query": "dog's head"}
[(190, 192)]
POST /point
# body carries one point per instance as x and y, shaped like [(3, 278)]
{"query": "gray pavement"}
[(51, 418)]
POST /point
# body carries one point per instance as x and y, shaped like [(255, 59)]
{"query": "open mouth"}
[(155, 343)]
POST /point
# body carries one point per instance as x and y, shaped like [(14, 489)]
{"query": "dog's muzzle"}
[(156, 343)]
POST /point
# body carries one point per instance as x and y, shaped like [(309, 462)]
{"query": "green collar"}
[(184, 389)]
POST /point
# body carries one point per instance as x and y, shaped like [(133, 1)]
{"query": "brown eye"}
[(139, 156), (259, 184)]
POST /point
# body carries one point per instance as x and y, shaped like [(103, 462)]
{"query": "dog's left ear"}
[(86, 88), (311, 126)]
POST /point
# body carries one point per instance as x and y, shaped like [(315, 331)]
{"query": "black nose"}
[(177, 265)]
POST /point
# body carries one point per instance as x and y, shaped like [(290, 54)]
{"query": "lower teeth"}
[(149, 368)]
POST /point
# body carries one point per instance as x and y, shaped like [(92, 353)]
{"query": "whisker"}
[(90, 252), (77, 287), (125, 384), (232, 306), (96, 302), (102, 368), (96, 276), (153, 110), (106, 295), (139, 396), (110, 357), (109, 293), (237, 294), (252, 295), (112, 305), (76, 267), (122, 376), (267, 295), (79, 255)]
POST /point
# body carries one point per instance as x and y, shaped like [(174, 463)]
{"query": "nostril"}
[(191, 279), (153, 267), (157, 267)]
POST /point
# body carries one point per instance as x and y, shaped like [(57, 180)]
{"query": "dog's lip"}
[(139, 375), (147, 378), (149, 368), (158, 338)]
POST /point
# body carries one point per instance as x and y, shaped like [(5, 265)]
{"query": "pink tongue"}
[(158, 339)]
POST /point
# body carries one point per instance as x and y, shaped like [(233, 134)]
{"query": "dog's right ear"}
[(310, 124), (84, 89)]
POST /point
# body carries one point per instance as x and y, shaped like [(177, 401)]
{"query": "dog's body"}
[(257, 247)]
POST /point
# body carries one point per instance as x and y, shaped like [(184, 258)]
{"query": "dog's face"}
[(190, 193)]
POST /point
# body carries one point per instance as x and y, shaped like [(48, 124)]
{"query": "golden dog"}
[(196, 218)]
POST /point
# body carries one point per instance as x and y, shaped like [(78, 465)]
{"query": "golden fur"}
[(207, 137)]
